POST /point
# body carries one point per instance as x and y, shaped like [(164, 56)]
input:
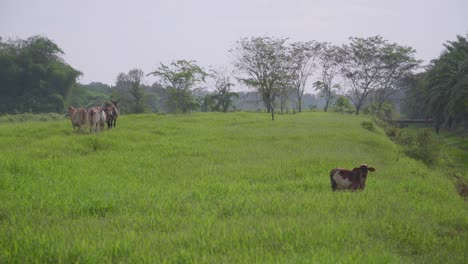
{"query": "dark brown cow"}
[(354, 179), (111, 112)]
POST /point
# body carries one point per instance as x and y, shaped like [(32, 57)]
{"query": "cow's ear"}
[(371, 169), (356, 170)]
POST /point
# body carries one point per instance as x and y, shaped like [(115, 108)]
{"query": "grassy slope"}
[(220, 188)]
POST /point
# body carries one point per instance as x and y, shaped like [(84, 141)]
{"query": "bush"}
[(386, 111), (392, 131), (26, 117), (368, 125), (343, 105), (424, 147)]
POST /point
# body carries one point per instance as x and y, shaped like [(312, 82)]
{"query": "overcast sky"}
[(102, 38)]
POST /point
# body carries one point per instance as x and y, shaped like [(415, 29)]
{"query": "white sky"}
[(102, 38)]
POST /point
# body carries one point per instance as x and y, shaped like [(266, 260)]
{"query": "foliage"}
[(448, 85), (28, 117), (221, 99), (362, 67), (368, 125), (374, 65), (264, 62), (424, 147), (441, 92), (330, 57), (420, 144), (88, 95), (302, 63), (33, 76), (414, 103), (343, 105), (398, 64), (383, 110), (130, 91), (181, 77), (220, 188)]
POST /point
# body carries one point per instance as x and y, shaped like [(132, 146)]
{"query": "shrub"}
[(424, 147), (385, 113), (342, 105), (368, 125), (392, 131)]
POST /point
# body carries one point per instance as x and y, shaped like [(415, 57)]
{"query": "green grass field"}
[(220, 188)]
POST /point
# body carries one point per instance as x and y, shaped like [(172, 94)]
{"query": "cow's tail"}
[(332, 181)]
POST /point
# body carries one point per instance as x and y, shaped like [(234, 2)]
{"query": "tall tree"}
[(329, 61), (129, 89), (284, 93), (223, 94), (398, 63), (414, 103), (181, 77), (302, 63), (263, 60), (448, 85), (33, 76), (441, 92), (363, 67), (135, 78)]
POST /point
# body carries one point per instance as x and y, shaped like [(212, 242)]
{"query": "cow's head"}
[(107, 110), (115, 102), (71, 111), (363, 170)]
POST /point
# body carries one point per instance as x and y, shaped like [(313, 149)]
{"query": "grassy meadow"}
[(220, 188)]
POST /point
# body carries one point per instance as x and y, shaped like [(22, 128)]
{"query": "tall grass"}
[(214, 187)]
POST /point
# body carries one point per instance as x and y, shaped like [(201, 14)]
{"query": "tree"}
[(342, 105), (284, 92), (329, 61), (222, 99), (180, 77), (33, 76), (88, 95), (263, 60), (130, 90), (447, 80), (363, 67), (414, 103), (135, 78), (302, 57), (441, 92), (398, 63)]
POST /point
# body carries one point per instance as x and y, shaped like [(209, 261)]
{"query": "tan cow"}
[(78, 118)]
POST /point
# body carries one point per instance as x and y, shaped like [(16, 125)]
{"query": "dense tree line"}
[(441, 92), (33, 76)]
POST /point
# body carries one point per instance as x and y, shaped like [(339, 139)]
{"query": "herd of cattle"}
[(97, 117)]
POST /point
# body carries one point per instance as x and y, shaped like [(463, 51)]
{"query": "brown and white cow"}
[(78, 118), (354, 179)]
